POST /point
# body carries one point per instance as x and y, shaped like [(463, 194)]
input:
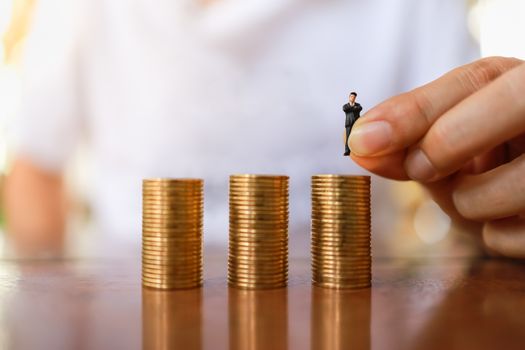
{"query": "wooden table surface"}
[(439, 303)]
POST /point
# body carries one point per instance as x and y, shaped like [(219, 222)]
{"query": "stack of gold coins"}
[(172, 223), (258, 245), (341, 231)]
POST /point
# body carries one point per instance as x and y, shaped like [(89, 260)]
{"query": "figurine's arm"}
[(346, 108)]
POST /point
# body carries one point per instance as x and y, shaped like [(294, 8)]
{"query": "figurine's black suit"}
[(352, 114)]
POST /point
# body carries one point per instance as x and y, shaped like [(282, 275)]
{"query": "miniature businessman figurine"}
[(352, 110)]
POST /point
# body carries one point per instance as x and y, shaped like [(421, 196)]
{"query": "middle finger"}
[(495, 194)]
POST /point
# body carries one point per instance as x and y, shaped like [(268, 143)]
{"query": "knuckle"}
[(424, 106), (438, 146), (477, 74)]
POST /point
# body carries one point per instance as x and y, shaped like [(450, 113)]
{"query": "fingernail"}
[(418, 167), (370, 138)]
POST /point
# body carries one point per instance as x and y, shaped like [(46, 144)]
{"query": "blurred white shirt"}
[(173, 89)]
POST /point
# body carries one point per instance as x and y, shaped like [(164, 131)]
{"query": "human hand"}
[(463, 137)]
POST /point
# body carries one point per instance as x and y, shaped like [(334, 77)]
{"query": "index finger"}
[(379, 138)]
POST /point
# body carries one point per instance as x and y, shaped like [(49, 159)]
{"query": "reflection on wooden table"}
[(439, 303), (340, 319), (258, 319), (172, 319)]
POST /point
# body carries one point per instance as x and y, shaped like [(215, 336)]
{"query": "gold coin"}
[(182, 251), (329, 222), (196, 228), (193, 262), (187, 281), (157, 286), (339, 286), (265, 230), (328, 265), (270, 244), (256, 286), (335, 273), (270, 265), (261, 250), (172, 207), (338, 206), (246, 270), (175, 259), (183, 245), (170, 270), (194, 238), (340, 200), (174, 276), (159, 265), (183, 190), (193, 258), (346, 280), (338, 186), (340, 229), (164, 287), (153, 281), (258, 252), (258, 259), (172, 227), (258, 177), (171, 181), (327, 177), (179, 199), (339, 240), (341, 234), (172, 218), (274, 189), (256, 282), (358, 250), (171, 273), (171, 233), (347, 253), (256, 218), (344, 251), (259, 199), (338, 261), (172, 224), (260, 232), (172, 215), (276, 277), (341, 195), (266, 208), (338, 237), (277, 243), (331, 209), (196, 278)]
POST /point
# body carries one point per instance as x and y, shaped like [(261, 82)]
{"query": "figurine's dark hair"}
[(353, 93)]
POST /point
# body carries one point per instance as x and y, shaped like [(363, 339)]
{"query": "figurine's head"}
[(352, 97)]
